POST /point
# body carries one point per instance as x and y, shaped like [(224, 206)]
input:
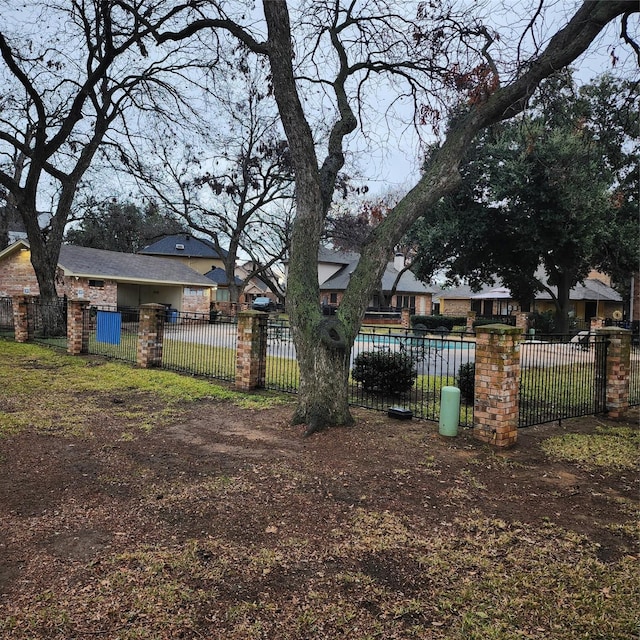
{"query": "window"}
[(188, 291), (333, 298), (96, 284), (408, 302)]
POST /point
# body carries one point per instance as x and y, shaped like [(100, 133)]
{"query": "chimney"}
[(398, 262)]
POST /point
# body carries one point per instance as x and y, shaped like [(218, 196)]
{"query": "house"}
[(198, 253), (256, 287), (334, 272), (109, 278), (15, 226), (219, 276), (589, 299)]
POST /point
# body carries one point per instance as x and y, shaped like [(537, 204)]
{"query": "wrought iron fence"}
[(6, 317), (48, 321), (199, 344), (282, 372), (113, 332), (562, 377), (437, 362)]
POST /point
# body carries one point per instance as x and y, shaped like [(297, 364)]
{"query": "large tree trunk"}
[(562, 304), (323, 398)]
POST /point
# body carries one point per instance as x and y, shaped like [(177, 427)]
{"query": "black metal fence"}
[(48, 321), (113, 332), (200, 345), (559, 374), (436, 361), (282, 372), (562, 377), (6, 317)]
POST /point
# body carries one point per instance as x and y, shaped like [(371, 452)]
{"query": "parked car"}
[(262, 303)]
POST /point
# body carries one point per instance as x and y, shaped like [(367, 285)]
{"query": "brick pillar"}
[(252, 350), (471, 316), (23, 328), (150, 335), (405, 318), (596, 323), (522, 321), (613, 371), (497, 381), (77, 327)]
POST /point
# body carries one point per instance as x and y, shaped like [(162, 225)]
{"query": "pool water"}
[(412, 341)]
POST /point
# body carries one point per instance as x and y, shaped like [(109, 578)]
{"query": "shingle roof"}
[(590, 289), (99, 263), (192, 247), (408, 283), (219, 276)]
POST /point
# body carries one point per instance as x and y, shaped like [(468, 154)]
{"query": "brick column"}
[(23, 328), (77, 327), (522, 321), (471, 316), (613, 371), (150, 335), (405, 318), (497, 379), (252, 350)]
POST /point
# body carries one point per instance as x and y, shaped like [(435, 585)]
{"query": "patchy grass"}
[(42, 384), (609, 448), (162, 507)]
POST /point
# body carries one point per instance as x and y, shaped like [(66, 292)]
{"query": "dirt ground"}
[(68, 503)]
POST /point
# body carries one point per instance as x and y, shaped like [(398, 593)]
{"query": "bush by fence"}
[(435, 322), (385, 372)]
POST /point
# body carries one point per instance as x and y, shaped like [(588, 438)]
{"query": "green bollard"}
[(449, 411)]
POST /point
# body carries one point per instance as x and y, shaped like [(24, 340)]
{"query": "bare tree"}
[(227, 173), (338, 49), (70, 70)]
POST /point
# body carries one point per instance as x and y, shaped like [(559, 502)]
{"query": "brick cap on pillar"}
[(612, 330), (80, 300), (252, 314), (152, 305), (500, 329)]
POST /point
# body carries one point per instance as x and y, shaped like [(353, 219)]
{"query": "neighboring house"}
[(592, 298), (335, 269), (219, 276), (109, 278), (15, 227), (255, 287), (197, 253)]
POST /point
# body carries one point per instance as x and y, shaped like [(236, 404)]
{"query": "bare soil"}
[(67, 503)]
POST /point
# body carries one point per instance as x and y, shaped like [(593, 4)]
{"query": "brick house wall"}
[(102, 295), (17, 275), (195, 300), (454, 306)]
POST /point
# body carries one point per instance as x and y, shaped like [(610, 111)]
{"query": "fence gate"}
[(562, 377)]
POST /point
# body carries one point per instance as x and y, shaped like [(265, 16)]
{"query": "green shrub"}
[(384, 372), (466, 381), (434, 322), (542, 321), (481, 322)]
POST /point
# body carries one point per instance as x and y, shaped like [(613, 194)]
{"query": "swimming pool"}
[(416, 342)]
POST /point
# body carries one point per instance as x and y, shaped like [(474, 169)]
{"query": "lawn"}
[(144, 504)]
